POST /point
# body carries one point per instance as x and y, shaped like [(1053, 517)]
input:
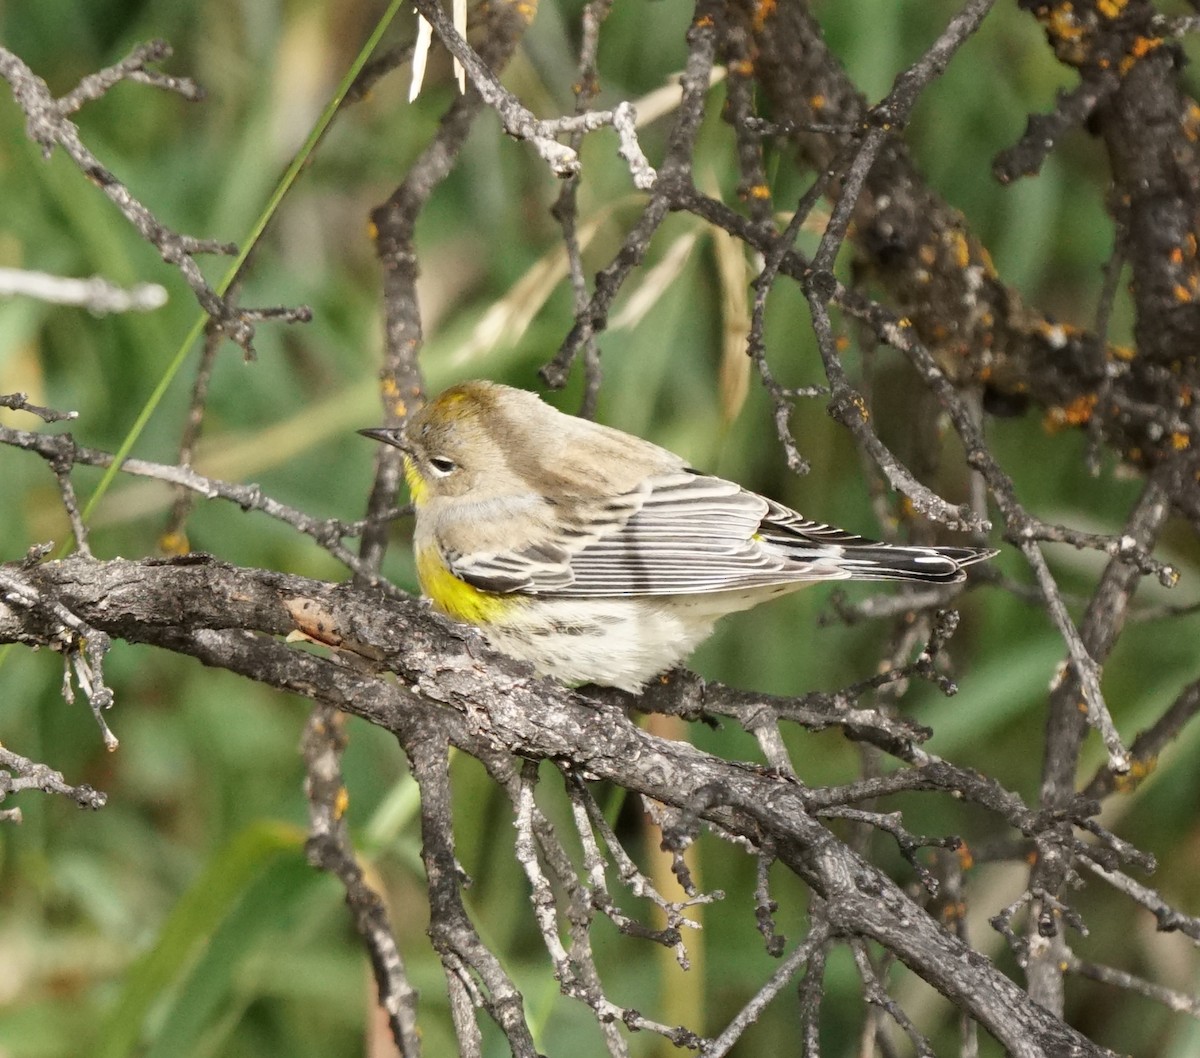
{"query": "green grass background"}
[(182, 920)]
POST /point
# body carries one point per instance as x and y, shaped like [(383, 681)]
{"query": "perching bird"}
[(600, 557)]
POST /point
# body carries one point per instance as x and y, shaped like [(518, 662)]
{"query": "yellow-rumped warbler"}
[(596, 555)]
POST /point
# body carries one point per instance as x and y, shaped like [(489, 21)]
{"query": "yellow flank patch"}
[(456, 598), (416, 484)]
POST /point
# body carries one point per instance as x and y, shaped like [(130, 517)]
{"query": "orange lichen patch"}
[(1142, 47), (1180, 441), (393, 397), (742, 68), (1121, 352), (763, 10), (759, 191), (985, 259), (1076, 413), (1070, 35), (1061, 21), (842, 343), (527, 11), (372, 230), (705, 22), (341, 803), (817, 102), (1185, 396), (960, 248), (1191, 127), (1138, 771), (1182, 293), (907, 510), (966, 858), (1110, 8), (1189, 242), (1176, 255), (985, 373), (954, 912)]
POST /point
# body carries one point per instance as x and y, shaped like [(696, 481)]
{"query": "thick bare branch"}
[(449, 687)]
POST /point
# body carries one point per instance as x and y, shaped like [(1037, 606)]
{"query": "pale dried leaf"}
[(420, 57), (508, 319), (733, 273), (655, 283), (662, 101)]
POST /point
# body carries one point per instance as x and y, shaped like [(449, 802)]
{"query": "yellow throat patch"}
[(417, 488)]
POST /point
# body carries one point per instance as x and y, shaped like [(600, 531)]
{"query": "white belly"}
[(618, 642)]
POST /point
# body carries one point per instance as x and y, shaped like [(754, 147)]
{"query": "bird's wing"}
[(677, 534), (685, 534)]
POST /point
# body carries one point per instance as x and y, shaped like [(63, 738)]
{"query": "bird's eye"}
[(442, 465)]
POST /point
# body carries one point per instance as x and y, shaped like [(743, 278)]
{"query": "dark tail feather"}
[(837, 553), (932, 565)]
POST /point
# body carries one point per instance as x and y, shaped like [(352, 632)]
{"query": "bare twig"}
[(60, 450), (1168, 918), (463, 953), (876, 994), (675, 174), (173, 538), (520, 123), (750, 1013), (1180, 1002), (565, 208), (1085, 666), (96, 294), (47, 123), (134, 67), (83, 647), (908, 844), (19, 773), (329, 849), (1149, 744), (20, 402)]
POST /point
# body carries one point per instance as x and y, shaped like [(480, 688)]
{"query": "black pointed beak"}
[(387, 435)]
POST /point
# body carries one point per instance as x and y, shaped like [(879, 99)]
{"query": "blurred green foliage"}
[(182, 919)]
